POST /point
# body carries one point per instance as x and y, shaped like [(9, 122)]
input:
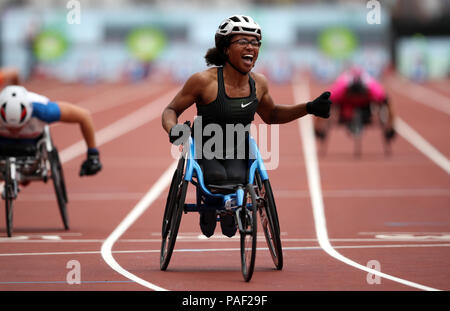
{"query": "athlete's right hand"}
[(91, 165), (179, 133), (320, 107)]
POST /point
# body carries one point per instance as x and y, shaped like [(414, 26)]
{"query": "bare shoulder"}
[(202, 86), (203, 78), (262, 86), (260, 79)]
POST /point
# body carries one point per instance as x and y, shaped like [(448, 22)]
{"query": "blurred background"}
[(94, 41)]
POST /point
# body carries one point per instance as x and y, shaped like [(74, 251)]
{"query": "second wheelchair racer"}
[(24, 114), (353, 89), (230, 93)]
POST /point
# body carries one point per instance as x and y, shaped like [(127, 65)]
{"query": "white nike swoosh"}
[(245, 105)]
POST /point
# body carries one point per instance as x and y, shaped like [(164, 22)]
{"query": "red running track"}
[(389, 210)]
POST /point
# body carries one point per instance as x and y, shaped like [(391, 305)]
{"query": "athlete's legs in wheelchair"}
[(218, 173)]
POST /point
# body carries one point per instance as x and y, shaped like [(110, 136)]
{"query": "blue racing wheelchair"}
[(244, 202)]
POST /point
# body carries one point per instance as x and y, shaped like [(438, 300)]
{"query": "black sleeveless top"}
[(226, 110)]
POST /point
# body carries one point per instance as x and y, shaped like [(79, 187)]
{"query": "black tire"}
[(248, 216), (9, 198), (383, 116), (269, 221), (61, 172), (172, 214), (59, 186)]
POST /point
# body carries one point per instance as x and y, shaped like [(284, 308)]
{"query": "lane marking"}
[(120, 127), (302, 94), (61, 282), (197, 250), (346, 193), (118, 97), (420, 94), (222, 238), (106, 250), (415, 139)]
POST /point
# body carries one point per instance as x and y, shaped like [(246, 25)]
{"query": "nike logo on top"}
[(245, 105)]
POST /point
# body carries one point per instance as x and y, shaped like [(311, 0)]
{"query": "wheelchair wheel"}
[(356, 128), (269, 221), (248, 218), (172, 214), (8, 197), (60, 168), (383, 116), (59, 185)]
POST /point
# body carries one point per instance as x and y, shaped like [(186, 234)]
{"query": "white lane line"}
[(224, 239), (106, 250), (301, 94), (199, 250), (420, 94), (119, 96), (120, 127), (415, 139), (347, 193)]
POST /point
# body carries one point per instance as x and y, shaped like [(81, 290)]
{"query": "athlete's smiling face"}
[(243, 51)]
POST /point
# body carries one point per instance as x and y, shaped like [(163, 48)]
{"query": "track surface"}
[(390, 213)]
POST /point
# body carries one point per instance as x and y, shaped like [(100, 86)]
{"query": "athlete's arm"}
[(278, 114), (74, 114), (272, 113), (186, 97)]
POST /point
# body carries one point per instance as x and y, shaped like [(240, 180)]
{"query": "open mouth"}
[(248, 59)]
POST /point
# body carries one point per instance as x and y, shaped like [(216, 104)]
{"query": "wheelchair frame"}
[(242, 201), (44, 164), (356, 126)]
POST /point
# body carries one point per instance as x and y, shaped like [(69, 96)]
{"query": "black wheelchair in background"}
[(23, 163)]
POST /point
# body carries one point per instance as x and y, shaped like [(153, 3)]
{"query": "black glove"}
[(92, 164), (320, 106), (389, 134), (179, 133)]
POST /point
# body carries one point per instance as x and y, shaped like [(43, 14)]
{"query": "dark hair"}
[(216, 56)]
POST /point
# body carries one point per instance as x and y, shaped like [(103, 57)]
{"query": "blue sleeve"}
[(48, 113)]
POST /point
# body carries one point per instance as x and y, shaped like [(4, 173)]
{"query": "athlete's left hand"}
[(320, 106), (91, 165)]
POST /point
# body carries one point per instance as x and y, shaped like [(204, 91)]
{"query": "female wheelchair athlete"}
[(21, 163), (244, 202)]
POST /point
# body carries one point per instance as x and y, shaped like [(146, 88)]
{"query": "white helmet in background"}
[(239, 24), (15, 108)]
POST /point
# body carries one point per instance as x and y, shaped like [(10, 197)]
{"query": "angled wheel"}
[(248, 218), (59, 185), (384, 116), (8, 196), (172, 214), (269, 220), (61, 172)]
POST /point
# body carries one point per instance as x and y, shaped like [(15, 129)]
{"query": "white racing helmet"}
[(239, 24), (15, 108)]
